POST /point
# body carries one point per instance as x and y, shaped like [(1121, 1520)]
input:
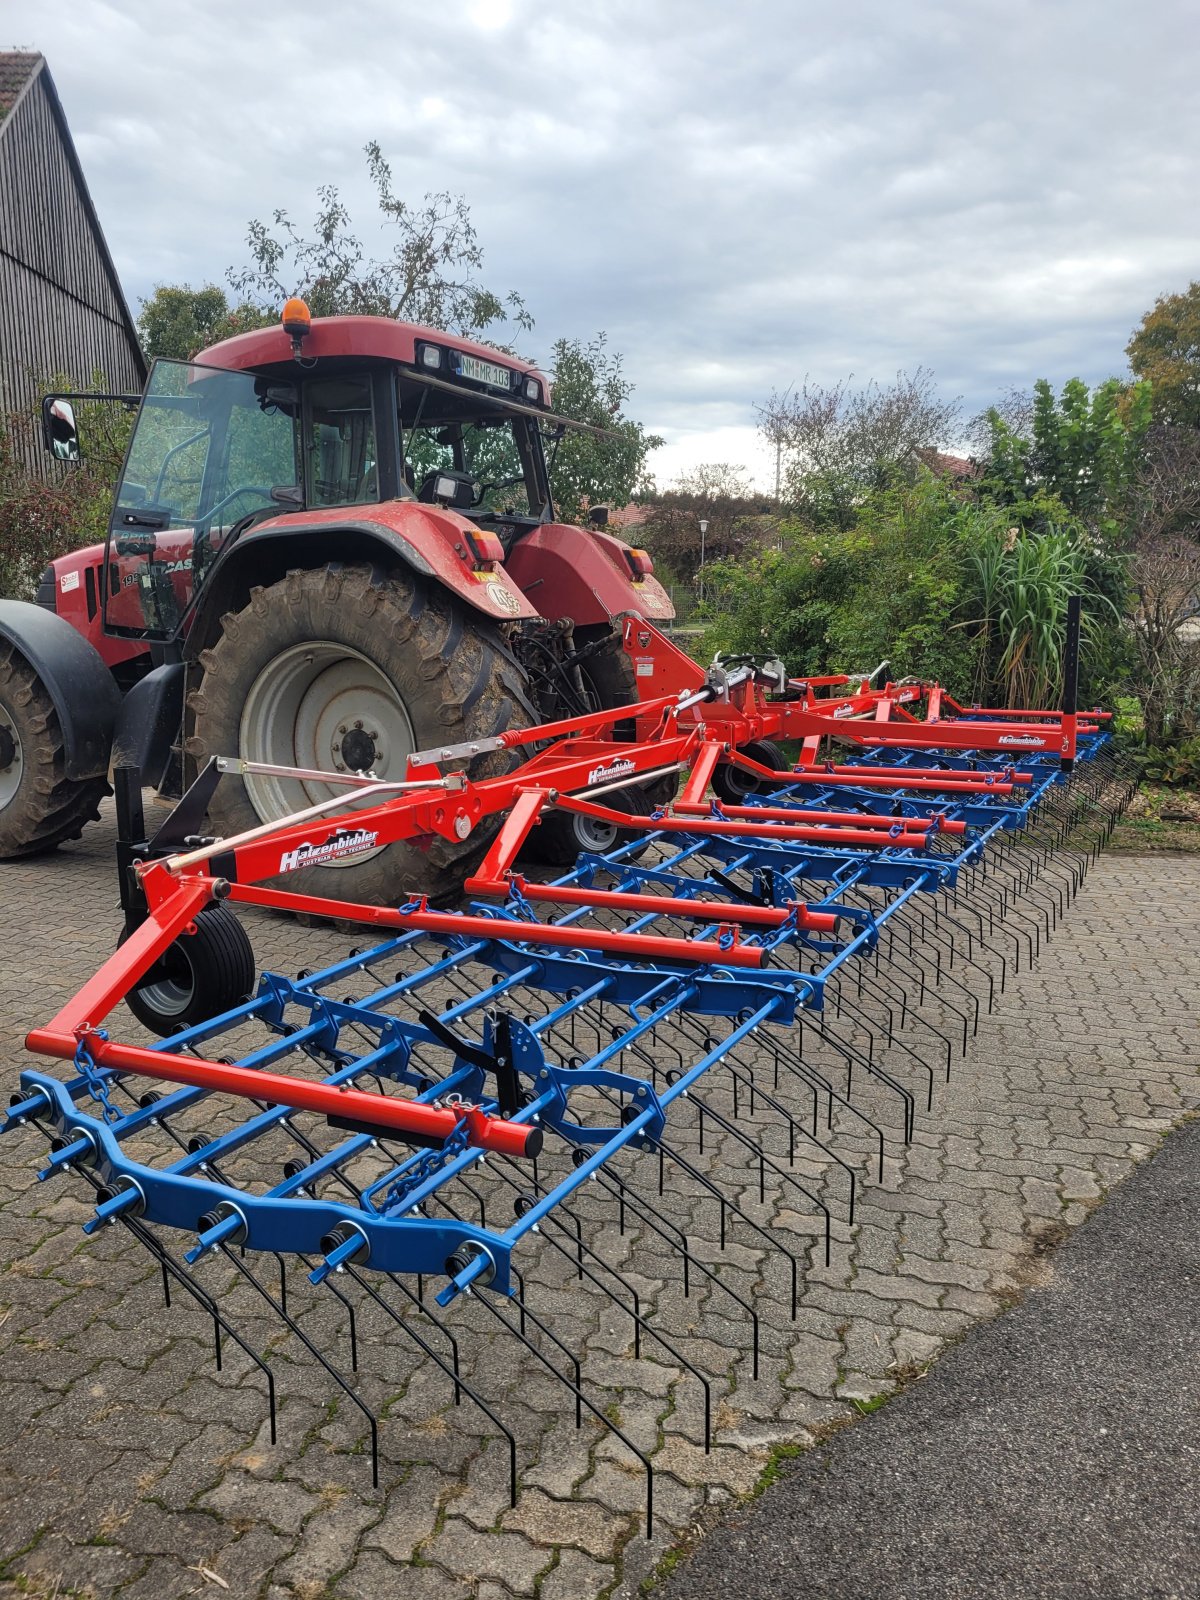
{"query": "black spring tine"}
[(924, 1066), (455, 1376), (670, 1233), (203, 1299), (294, 1328), (852, 1056), (768, 1238), (488, 1302)]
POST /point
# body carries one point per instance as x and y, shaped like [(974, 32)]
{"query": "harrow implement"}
[(661, 1078)]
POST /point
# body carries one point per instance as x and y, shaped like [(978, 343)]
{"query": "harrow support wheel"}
[(353, 668), (564, 835), (733, 784), (201, 975)]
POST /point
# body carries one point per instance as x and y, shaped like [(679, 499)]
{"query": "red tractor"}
[(332, 544)]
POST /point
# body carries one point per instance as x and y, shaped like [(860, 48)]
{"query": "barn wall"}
[(60, 311)]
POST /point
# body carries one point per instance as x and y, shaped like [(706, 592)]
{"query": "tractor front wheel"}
[(351, 669), (39, 805)]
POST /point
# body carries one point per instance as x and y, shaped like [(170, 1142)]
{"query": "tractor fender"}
[(85, 697), (583, 574), (149, 721), (428, 539)]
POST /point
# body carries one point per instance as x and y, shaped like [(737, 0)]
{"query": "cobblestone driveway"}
[(129, 1465)]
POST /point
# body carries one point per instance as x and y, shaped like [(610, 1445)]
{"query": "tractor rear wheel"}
[(613, 682), (39, 805), (352, 669)]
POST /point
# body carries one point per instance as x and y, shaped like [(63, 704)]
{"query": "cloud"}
[(739, 197)]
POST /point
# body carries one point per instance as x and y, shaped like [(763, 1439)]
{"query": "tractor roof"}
[(373, 337)]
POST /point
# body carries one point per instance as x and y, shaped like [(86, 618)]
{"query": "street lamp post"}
[(703, 531)]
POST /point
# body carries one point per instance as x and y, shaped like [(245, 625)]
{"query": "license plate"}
[(484, 372)]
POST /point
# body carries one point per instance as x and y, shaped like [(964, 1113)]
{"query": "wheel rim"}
[(321, 705), (170, 994), (593, 834), (12, 759)]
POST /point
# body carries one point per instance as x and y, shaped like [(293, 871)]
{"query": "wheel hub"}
[(321, 705), (358, 750), (10, 760)]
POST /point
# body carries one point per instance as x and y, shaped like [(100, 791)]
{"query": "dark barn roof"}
[(62, 309)]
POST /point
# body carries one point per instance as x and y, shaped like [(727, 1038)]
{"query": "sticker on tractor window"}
[(617, 769), (68, 581), (1029, 740), (336, 849), (500, 596)]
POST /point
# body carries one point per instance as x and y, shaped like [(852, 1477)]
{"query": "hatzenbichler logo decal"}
[(1029, 740), (618, 769), (342, 844)]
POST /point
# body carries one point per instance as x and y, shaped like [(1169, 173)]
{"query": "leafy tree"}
[(179, 321), (430, 275), (1083, 450), (1163, 643), (837, 443), (590, 386), (831, 601), (1165, 350)]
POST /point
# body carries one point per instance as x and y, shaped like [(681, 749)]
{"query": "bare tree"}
[(837, 442), (1164, 573), (1015, 410)]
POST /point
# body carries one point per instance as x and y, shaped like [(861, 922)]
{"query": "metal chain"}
[(426, 1165), (94, 1076)]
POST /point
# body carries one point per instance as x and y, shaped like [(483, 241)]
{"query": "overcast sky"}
[(739, 194)]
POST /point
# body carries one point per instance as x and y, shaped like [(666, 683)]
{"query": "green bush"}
[(1178, 765)]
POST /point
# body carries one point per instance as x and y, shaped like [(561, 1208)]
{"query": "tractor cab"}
[(342, 413)]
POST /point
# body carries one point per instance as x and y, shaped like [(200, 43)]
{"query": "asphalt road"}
[(1055, 1453)]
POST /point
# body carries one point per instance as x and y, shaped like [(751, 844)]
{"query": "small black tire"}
[(198, 977), (733, 784), (563, 836), (40, 806)]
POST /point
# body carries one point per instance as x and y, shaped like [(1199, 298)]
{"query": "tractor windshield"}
[(210, 447)]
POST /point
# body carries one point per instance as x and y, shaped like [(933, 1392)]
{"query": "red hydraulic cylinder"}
[(330, 1100), (856, 819), (637, 946), (660, 905)]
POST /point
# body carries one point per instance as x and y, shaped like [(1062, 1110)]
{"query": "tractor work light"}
[(431, 356), (533, 390)]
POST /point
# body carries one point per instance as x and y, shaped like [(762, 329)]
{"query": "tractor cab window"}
[(339, 445), (210, 448), (485, 450)]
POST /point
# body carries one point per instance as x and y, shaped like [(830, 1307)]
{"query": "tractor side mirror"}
[(598, 516), (59, 431)]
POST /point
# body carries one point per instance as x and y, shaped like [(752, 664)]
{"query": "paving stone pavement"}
[(129, 1465)]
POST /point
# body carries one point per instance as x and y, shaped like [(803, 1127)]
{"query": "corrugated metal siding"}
[(59, 312)]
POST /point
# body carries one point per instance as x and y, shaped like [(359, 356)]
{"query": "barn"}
[(62, 311)]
